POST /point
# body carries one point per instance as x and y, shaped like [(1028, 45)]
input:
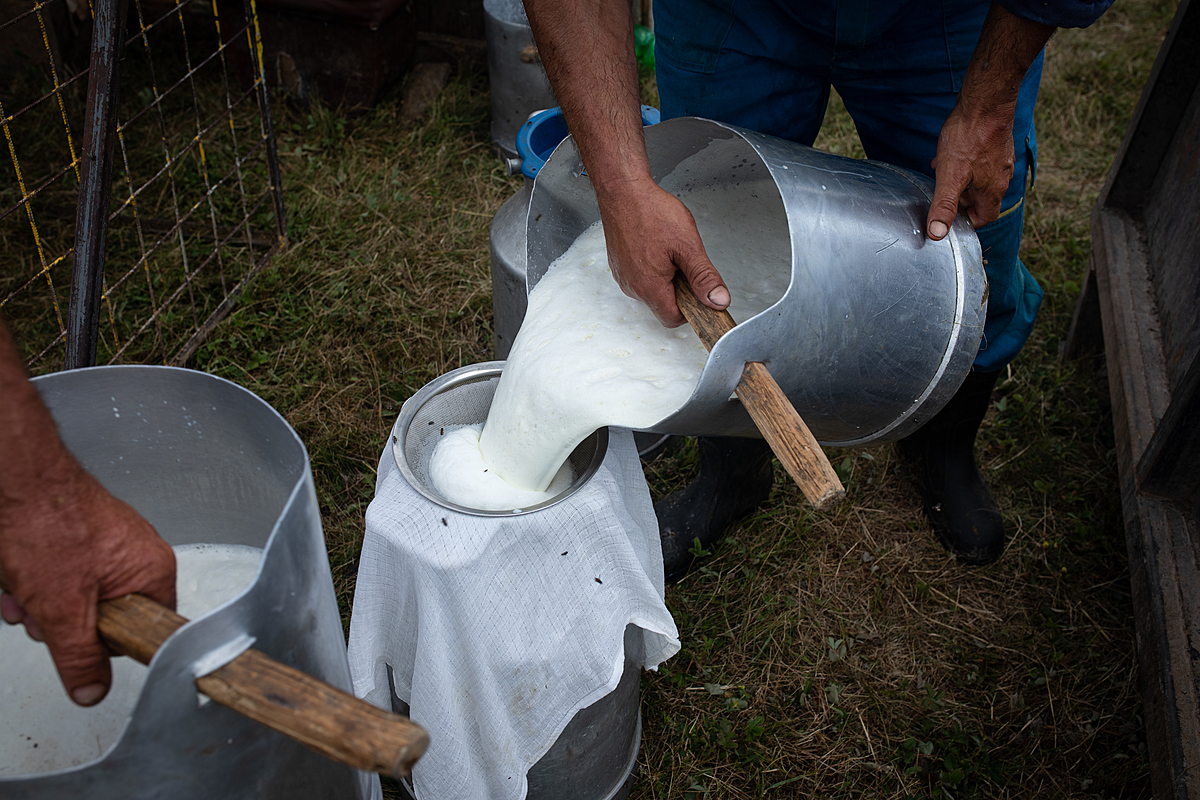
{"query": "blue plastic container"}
[(543, 131)]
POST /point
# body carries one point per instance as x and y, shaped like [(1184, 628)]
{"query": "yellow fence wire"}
[(195, 212)]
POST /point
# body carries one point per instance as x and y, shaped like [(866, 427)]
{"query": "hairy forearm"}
[(31, 454), (587, 49), (975, 153), (65, 542), (1007, 47)]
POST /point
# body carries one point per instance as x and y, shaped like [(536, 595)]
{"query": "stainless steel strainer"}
[(463, 397)]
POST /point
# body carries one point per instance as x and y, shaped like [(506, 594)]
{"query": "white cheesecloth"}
[(499, 629)]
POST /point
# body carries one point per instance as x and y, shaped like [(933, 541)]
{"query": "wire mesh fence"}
[(191, 209)]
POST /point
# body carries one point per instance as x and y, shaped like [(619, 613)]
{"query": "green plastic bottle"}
[(643, 45)]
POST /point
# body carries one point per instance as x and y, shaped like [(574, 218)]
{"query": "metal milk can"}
[(869, 327), (595, 755), (206, 461), (518, 81)]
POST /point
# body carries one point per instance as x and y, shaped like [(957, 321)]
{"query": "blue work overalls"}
[(767, 65)]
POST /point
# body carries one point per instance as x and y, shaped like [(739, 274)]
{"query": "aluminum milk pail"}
[(872, 327), (205, 460), (518, 82)]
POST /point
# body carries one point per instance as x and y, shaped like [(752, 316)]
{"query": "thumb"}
[(948, 187), (705, 281), (79, 655)]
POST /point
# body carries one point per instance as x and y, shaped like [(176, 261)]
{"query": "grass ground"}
[(834, 655)]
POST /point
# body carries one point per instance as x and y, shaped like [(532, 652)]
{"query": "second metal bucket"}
[(518, 81), (206, 461), (535, 141), (873, 326), (595, 755)]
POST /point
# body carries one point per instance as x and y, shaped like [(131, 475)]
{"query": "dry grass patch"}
[(385, 287)]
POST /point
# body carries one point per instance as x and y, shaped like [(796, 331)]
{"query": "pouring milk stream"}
[(587, 356)]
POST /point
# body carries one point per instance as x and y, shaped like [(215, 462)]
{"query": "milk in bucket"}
[(205, 461), (41, 729)]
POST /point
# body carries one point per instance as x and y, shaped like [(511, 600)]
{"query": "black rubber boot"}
[(964, 516), (735, 477)]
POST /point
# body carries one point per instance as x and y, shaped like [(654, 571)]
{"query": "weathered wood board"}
[(1145, 279)]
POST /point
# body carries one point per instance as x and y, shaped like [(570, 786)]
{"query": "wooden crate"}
[(1143, 290)]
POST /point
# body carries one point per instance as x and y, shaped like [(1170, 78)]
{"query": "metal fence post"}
[(264, 104), (95, 182)]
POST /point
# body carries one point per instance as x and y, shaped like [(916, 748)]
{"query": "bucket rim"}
[(473, 373), (49, 378)]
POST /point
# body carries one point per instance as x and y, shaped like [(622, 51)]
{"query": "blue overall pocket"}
[(689, 34), (1014, 297)]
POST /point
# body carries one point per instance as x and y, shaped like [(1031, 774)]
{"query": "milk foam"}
[(459, 472), (41, 730)]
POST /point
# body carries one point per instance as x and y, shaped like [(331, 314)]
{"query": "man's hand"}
[(973, 166), (975, 157), (65, 542), (66, 548), (651, 234)]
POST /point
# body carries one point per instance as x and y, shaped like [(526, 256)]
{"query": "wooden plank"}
[(1178, 594), (1172, 224), (1086, 334), (1164, 576), (1131, 324), (1157, 117), (1156, 681), (1145, 237), (1169, 469)]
